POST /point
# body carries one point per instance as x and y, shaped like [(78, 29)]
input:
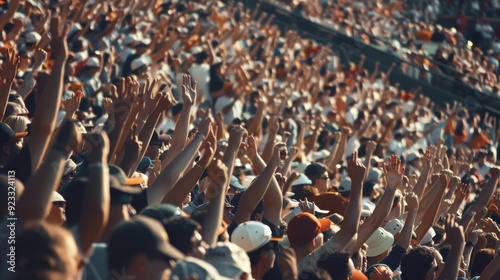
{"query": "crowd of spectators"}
[(409, 31), (196, 140)]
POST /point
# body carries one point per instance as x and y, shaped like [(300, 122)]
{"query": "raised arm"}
[(487, 191), (350, 225), (258, 188), (394, 174), (6, 17), (96, 199), (182, 127), (182, 188), (404, 238), (455, 236), (34, 202), (216, 194), (44, 121), (422, 180), (7, 75), (174, 170), (430, 215)]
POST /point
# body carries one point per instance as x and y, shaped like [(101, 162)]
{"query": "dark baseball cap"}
[(139, 235), (7, 135)]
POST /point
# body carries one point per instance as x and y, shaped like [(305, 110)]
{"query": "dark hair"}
[(180, 230), (416, 263), (481, 260), (254, 256), (337, 265), (368, 188)]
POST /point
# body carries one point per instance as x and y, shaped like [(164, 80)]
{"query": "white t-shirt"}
[(235, 112), (201, 74)]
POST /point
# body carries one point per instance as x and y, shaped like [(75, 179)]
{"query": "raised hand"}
[(427, 161), (150, 100), (274, 124), (462, 192), (278, 152), (154, 171), (370, 147), (356, 169), (412, 200), (72, 104), (59, 32), (394, 172), (9, 68), (252, 148), (306, 207), (454, 232), (189, 94), (40, 57), (236, 136), (97, 146)]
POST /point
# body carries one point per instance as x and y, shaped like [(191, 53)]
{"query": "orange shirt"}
[(478, 141), (424, 35)]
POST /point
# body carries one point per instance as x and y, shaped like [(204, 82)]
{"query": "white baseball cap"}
[(57, 197), (138, 63), (32, 37), (92, 62), (302, 180), (379, 242), (297, 209), (345, 185), (394, 226), (252, 235)]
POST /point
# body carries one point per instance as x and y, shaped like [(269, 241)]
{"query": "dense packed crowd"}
[(196, 140), (408, 29)]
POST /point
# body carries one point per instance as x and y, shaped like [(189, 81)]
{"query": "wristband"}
[(469, 244)]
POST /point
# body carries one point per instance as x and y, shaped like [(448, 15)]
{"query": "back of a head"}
[(18, 123), (416, 263), (180, 230), (481, 260), (44, 251), (337, 265)]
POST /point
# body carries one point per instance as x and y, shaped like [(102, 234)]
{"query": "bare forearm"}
[(485, 195), (182, 188), (450, 270), (404, 238), (268, 149), (422, 180), (180, 135)]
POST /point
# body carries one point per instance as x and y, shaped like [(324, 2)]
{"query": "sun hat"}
[(304, 227), (229, 259), (379, 242), (429, 235), (119, 181), (252, 235)]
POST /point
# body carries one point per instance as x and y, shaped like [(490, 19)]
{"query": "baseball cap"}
[(92, 62), (333, 202), (297, 210), (379, 242), (252, 235), (429, 235), (138, 63), (7, 135), (302, 180), (190, 266), (345, 185), (161, 212), (374, 175), (304, 227), (319, 155), (138, 235), (315, 170), (119, 181), (299, 166), (394, 226), (235, 183), (56, 197), (229, 259), (69, 166), (32, 37)]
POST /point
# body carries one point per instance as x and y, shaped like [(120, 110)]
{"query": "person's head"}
[(345, 187), (318, 174), (190, 266), (338, 264), (305, 230), (379, 244), (140, 246), (184, 234), (419, 264), (18, 123), (256, 239), (56, 213), (482, 258), (481, 157), (92, 66), (46, 251), (230, 260), (11, 143)]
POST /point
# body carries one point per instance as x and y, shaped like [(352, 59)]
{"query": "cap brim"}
[(18, 136), (321, 211), (276, 238), (134, 181), (325, 224), (170, 251)]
